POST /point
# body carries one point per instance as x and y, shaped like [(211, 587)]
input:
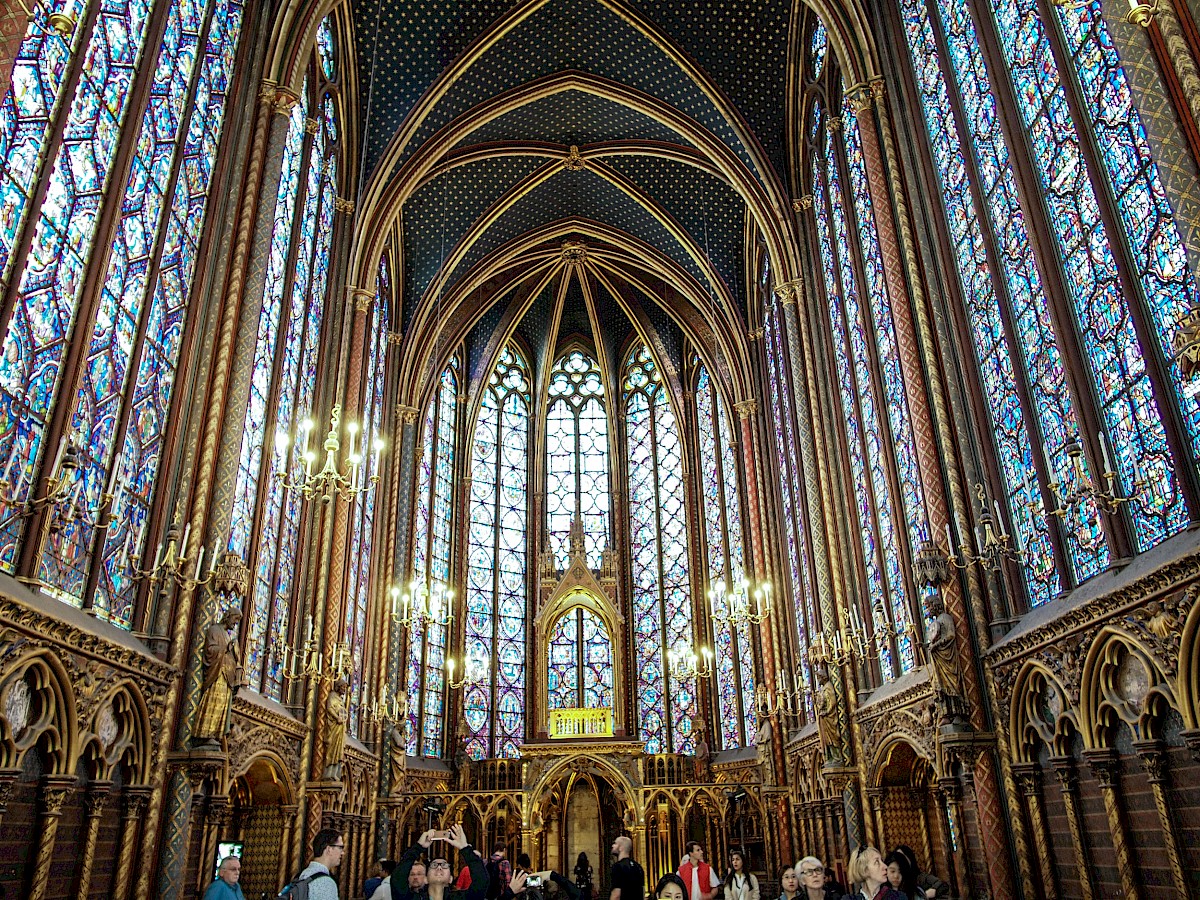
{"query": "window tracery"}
[(496, 605), (580, 662), (723, 541), (662, 603), (130, 332), (431, 563)]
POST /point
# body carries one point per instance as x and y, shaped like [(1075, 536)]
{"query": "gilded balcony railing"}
[(580, 723)]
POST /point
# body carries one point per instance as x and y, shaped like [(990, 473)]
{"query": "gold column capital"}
[(407, 414), (281, 99), (789, 291), (343, 206), (860, 96), (361, 298), (746, 408)]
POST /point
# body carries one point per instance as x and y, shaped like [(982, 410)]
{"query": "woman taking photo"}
[(739, 884)]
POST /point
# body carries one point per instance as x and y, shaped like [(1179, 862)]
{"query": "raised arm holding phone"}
[(439, 871)]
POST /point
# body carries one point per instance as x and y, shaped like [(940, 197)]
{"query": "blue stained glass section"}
[(1118, 368)]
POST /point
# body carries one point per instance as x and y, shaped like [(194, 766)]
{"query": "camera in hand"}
[(534, 881)]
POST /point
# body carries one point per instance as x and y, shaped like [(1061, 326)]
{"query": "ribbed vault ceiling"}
[(471, 111)]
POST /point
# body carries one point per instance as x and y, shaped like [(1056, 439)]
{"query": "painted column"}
[(1068, 781), (55, 791), (926, 434), (222, 430), (1029, 778), (1106, 766), (94, 803), (1154, 761)]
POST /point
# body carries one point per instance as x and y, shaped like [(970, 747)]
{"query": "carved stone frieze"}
[(248, 739), (909, 713)]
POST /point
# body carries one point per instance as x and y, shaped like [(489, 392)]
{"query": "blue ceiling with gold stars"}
[(425, 66)]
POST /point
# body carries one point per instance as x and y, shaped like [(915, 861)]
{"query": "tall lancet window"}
[(431, 566), (791, 487), (1123, 289), (364, 511), (577, 482), (266, 526), (110, 291), (878, 432), (658, 538), (497, 561), (723, 541)]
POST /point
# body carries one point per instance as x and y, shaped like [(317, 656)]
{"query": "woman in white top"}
[(739, 884)]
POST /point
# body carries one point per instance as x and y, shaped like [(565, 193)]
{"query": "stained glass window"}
[(662, 605), (577, 480), (794, 524), (123, 389), (362, 538), (868, 452), (579, 662), (497, 561), (733, 647), (1118, 371), (266, 526), (817, 50), (431, 566)]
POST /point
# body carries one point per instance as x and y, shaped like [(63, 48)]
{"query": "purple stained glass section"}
[(47, 298), (146, 289), (30, 105), (658, 550), (496, 565), (723, 541), (1119, 373), (431, 564)]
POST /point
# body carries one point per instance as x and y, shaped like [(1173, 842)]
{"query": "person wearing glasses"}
[(317, 877), (809, 875), (438, 871)]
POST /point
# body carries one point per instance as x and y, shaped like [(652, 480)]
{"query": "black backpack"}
[(298, 888)]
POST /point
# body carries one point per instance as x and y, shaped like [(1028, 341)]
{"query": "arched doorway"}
[(261, 821), (906, 811), (583, 813)]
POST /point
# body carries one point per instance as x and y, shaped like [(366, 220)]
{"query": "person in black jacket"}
[(439, 871), (519, 888)]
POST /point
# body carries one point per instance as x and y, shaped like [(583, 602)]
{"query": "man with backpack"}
[(439, 873), (316, 882)]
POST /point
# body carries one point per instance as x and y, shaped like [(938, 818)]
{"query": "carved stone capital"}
[(281, 100), (1105, 766), (802, 203), (407, 414), (1029, 778), (343, 206), (55, 791), (311, 125), (950, 788), (134, 800), (96, 798), (1154, 760), (1066, 773), (395, 338), (219, 811), (834, 124), (361, 298), (746, 408), (860, 97), (755, 334), (789, 291)]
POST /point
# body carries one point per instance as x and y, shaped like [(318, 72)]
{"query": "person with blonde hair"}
[(868, 873)]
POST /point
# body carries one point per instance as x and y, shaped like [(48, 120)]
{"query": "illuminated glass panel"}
[(577, 482), (496, 563), (1152, 236), (817, 50), (579, 662), (1037, 353), (325, 48), (1117, 364), (47, 299), (431, 563), (31, 102), (146, 286), (733, 650), (662, 617), (868, 527), (792, 492), (362, 540)]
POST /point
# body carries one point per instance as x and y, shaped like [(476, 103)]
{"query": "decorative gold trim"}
[(574, 161), (311, 125), (344, 206), (746, 408), (362, 298), (408, 414)]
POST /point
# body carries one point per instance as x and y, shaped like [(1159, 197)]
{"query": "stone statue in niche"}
[(762, 744), (944, 668), (397, 758), (336, 715), (222, 678), (462, 759), (703, 751), (827, 723)]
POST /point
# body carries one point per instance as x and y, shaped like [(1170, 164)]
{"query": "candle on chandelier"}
[(12, 458), (1104, 442), (199, 564), (999, 519)]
